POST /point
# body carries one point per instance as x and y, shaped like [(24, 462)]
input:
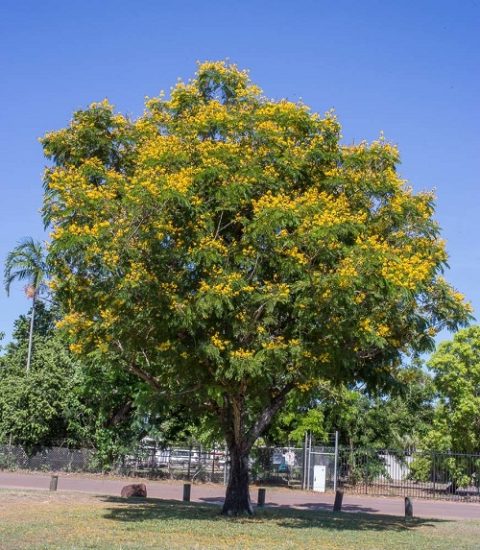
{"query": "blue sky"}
[(409, 68)]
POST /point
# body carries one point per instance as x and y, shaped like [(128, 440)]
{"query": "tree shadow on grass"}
[(312, 506), (140, 510)]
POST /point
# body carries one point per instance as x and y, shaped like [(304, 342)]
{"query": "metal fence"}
[(278, 465), (189, 463), (45, 459), (268, 465), (322, 468), (419, 474)]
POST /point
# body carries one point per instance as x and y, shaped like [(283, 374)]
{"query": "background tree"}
[(396, 420), (34, 406), (227, 250), (456, 369), (62, 401), (26, 262), (455, 425)]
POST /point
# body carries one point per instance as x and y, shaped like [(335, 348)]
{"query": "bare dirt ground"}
[(214, 493)]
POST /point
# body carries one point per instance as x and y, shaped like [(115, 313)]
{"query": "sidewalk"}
[(276, 497)]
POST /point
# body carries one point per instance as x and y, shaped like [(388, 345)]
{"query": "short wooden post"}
[(53, 483), (337, 505), (261, 497), (408, 508), (186, 492)]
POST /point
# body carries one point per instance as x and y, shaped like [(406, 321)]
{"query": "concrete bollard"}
[(408, 508), (53, 483), (337, 505), (261, 497), (186, 492)]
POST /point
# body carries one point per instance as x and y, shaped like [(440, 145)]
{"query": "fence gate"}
[(320, 464)]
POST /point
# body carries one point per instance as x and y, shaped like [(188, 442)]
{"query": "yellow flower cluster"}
[(155, 148), (241, 354), (409, 272), (108, 317), (326, 294), (317, 209), (399, 202), (210, 150), (359, 297), (280, 290), (226, 287), (335, 211), (180, 181), (74, 321), (296, 255), (346, 272), (306, 386), (321, 358), (147, 180), (164, 346), (276, 343), (135, 275), (279, 343), (210, 243), (383, 330), (269, 201), (80, 230), (110, 257), (271, 172), (169, 288), (366, 325), (76, 348), (218, 342), (372, 243), (369, 326), (460, 298)]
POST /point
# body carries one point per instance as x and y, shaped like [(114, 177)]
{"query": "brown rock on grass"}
[(134, 490)]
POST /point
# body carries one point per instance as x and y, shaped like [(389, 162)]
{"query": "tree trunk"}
[(30, 335), (240, 441), (237, 498)]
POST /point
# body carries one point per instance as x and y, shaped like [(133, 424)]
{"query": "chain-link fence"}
[(45, 459), (280, 466), (277, 465)]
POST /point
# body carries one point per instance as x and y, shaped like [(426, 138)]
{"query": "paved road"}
[(276, 497)]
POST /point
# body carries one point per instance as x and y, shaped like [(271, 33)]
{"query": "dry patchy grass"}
[(74, 521)]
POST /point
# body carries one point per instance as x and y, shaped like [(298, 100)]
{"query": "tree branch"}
[(219, 225), (146, 377), (267, 415), (155, 384), (121, 414)]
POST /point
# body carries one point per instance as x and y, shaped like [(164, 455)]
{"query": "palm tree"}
[(26, 262)]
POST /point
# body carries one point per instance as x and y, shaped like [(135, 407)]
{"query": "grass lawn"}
[(43, 520)]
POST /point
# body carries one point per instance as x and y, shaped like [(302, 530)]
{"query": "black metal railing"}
[(419, 474)]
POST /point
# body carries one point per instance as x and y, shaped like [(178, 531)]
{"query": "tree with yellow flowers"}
[(228, 250)]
